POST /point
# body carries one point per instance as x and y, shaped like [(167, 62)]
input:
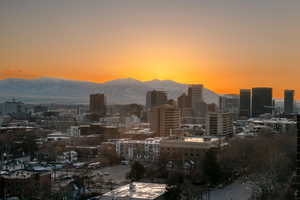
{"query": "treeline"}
[(267, 162)]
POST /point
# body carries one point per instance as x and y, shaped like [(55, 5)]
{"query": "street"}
[(234, 191)]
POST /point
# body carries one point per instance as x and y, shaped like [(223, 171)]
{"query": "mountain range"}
[(119, 91)]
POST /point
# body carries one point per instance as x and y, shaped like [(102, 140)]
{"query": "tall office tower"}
[(98, 104), (185, 107), (222, 103), (262, 101), (230, 103), (183, 101), (220, 124), (200, 109), (195, 99), (155, 98), (212, 107), (195, 94), (164, 119), (289, 101), (13, 107), (245, 103)]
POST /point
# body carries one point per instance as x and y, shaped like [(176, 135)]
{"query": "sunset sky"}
[(224, 44)]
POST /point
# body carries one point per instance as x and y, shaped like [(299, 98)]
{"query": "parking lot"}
[(115, 174)]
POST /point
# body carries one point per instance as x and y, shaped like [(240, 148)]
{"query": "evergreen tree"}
[(137, 171), (211, 168)]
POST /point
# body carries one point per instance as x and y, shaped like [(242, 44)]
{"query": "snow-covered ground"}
[(234, 191)]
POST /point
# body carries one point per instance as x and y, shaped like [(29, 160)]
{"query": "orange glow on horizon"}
[(223, 46), (211, 82), (218, 67)]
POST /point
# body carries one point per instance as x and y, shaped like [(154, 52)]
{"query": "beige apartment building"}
[(220, 124), (164, 119)]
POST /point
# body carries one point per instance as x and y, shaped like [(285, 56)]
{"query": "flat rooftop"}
[(22, 174), (149, 191), (201, 139), (273, 120)]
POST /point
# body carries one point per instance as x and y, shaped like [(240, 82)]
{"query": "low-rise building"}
[(130, 149), (152, 148), (111, 120), (26, 184), (57, 136), (137, 133), (279, 125), (189, 148), (74, 131), (85, 152), (147, 150), (107, 132), (16, 129), (70, 156)]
